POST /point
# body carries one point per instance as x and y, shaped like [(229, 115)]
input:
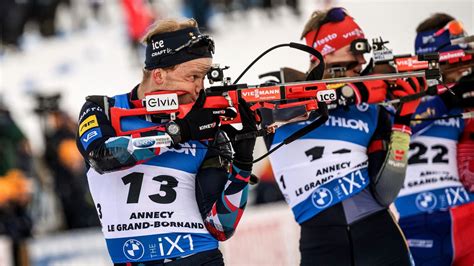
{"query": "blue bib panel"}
[(432, 179), (329, 164)]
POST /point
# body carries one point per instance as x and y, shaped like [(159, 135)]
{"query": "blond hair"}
[(162, 26), (317, 20), (314, 22), (168, 25)]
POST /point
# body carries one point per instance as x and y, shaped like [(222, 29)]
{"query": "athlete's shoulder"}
[(94, 121), (94, 104)]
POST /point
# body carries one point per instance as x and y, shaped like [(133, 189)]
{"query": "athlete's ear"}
[(158, 75)]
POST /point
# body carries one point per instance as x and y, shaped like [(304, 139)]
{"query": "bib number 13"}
[(166, 194)]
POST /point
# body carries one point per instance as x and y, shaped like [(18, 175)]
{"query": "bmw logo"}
[(321, 198), (426, 201), (133, 249)]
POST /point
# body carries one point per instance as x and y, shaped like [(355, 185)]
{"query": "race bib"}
[(149, 210), (316, 174), (432, 180)]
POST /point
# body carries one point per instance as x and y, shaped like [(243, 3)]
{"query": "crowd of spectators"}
[(59, 169), (18, 17)]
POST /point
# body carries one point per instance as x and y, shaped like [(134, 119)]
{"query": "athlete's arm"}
[(378, 146), (375, 91), (221, 193), (221, 196), (388, 159), (386, 184), (102, 149), (224, 199)]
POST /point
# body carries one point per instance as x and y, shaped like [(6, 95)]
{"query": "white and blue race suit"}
[(432, 179), (327, 165), (149, 211)]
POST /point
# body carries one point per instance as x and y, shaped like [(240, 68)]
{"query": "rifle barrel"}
[(363, 78)]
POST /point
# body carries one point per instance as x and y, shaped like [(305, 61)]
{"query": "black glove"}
[(200, 123), (463, 94), (245, 142)]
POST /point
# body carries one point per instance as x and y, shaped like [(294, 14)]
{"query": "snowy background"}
[(97, 60)]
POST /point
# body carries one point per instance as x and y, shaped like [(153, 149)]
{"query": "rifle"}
[(300, 97), (288, 102), (384, 61)]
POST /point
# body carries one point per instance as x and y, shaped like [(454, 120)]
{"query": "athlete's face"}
[(345, 58), (187, 77)]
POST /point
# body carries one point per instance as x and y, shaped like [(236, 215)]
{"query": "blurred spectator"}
[(96, 7), (65, 163), (44, 12), (200, 11), (229, 6), (13, 17), (268, 5), (15, 187), (267, 190), (15, 14), (138, 16)]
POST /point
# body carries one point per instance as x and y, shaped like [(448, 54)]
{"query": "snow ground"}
[(97, 60)]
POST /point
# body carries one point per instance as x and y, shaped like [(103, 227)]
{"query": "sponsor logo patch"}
[(160, 102), (89, 136), (144, 143), (410, 64), (349, 123), (327, 49), (208, 126), (133, 249), (445, 56), (426, 201), (420, 243), (327, 95), (91, 109), (321, 198), (325, 39), (261, 94), (88, 123)]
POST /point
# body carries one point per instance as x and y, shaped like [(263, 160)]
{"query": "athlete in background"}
[(436, 210), (340, 178), (174, 203)]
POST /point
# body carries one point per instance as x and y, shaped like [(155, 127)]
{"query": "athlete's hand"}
[(405, 87), (245, 142), (372, 91), (463, 94), (201, 123)]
